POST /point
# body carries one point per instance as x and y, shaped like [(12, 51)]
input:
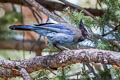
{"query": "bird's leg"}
[(78, 46), (64, 47), (57, 47), (61, 47)]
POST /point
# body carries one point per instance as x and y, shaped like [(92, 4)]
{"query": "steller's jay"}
[(59, 35)]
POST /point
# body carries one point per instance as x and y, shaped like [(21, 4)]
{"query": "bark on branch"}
[(25, 74), (62, 59)]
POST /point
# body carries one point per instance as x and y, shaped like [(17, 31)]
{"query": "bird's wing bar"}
[(52, 25), (48, 28), (43, 24)]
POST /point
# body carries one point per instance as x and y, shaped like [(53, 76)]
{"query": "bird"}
[(58, 34)]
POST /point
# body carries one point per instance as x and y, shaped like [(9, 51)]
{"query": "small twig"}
[(93, 71), (113, 42), (99, 2), (25, 74), (45, 11), (35, 13), (51, 71), (116, 28), (63, 74)]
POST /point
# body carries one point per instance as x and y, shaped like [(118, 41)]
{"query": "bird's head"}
[(84, 30)]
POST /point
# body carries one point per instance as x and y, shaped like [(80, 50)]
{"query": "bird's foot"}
[(65, 48), (61, 48)]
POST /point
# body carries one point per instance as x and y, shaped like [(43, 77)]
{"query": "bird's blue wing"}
[(55, 28), (60, 38)]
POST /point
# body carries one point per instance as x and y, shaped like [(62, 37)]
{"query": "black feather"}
[(83, 29), (42, 24)]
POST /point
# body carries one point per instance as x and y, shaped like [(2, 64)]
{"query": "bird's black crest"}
[(81, 25), (83, 29)]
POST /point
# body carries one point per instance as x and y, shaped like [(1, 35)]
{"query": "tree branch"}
[(12, 1), (60, 7), (116, 28), (79, 8), (113, 42), (18, 45), (93, 71), (62, 59), (25, 74), (56, 6)]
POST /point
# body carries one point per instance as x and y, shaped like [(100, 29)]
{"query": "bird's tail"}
[(22, 27)]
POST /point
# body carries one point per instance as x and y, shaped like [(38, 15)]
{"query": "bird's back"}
[(58, 28)]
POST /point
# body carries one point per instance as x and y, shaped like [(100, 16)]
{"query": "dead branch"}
[(25, 74), (18, 45), (56, 6), (61, 59)]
